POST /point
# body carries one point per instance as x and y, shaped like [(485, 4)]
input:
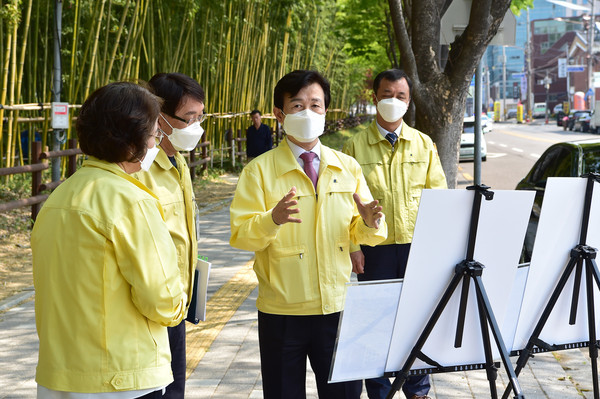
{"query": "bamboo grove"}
[(236, 49)]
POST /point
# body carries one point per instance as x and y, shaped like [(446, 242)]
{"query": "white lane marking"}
[(491, 142), (496, 155), (535, 155), (517, 149), (503, 145)]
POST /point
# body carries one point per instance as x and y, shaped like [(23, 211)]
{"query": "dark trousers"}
[(385, 262), (176, 389), (286, 342)]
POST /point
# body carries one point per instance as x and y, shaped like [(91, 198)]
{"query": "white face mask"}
[(304, 126), (391, 109), (149, 158), (185, 139)]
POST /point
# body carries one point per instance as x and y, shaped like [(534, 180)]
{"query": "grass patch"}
[(337, 139)]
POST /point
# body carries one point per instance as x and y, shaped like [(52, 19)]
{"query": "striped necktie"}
[(391, 137)]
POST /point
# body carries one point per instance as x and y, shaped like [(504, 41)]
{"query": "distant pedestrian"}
[(258, 136), (104, 265)]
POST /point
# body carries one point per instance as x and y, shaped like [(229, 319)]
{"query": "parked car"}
[(557, 108), (467, 142), (582, 123), (487, 124), (539, 110), (568, 159), (573, 115), (511, 113)]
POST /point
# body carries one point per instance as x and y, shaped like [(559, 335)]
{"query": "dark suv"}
[(568, 159), (573, 116)]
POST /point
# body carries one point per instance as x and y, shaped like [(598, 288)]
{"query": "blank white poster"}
[(558, 232), (439, 244), (365, 330)]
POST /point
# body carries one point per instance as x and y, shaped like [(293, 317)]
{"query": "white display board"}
[(439, 244), (558, 232), (365, 330)]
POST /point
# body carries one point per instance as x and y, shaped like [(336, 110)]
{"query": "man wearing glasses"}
[(169, 178)]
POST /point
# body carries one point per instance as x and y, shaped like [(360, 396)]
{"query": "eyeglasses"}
[(199, 119), (158, 136)]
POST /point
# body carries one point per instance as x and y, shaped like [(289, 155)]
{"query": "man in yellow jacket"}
[(299, 207), (169, 178), (398, 163)]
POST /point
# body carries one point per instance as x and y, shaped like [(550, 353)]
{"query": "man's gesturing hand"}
[(371, 212), (282, 213)]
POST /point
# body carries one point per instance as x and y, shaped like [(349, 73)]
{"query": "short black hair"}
[(254, 112), (173, 87), (295, 81), (392, 75), (116, 121)]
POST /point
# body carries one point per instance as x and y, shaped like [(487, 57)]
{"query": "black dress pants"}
[(176, 389), (285, 343)]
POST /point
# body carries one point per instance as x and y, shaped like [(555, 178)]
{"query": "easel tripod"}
[(466, 271), (580, 255)]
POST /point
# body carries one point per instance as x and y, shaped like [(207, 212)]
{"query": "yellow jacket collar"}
[(116, 169), (162, 159), (407, 133)]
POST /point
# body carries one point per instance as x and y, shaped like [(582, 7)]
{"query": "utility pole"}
[(57, 84), (503, 114), (590, 56), (529, 47), (477, 128)]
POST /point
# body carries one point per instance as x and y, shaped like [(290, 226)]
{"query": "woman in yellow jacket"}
[(104, 265)]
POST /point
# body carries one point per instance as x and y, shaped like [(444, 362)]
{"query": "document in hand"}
[(197, 310)]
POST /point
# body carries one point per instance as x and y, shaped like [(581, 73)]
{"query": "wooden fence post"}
[(203, 155), (72, 168), (192, 160), (277, 133), (239, 146), (231, 141), (36, 177)]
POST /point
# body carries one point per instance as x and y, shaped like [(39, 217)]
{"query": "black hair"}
[(254, 112), (173, 87), (116, 121), (295, 81), (392, 75)]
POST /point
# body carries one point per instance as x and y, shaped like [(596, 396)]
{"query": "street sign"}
[(60, 115), (596, 79), (562, 67), (575, 68), (456, 18), (517, 75)]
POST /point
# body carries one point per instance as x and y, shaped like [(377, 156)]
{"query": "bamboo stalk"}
[(108, 70)]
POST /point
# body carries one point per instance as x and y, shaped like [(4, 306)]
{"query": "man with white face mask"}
[(169, 178), (299, 206), (398, 162)]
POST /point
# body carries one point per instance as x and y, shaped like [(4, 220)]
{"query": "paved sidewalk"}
[(230, 368)]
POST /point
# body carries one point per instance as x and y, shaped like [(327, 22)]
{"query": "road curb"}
[(17, 299)]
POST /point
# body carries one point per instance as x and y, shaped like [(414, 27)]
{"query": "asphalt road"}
[(512, 149)]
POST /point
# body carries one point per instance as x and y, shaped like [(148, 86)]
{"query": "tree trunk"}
[(440, 94)]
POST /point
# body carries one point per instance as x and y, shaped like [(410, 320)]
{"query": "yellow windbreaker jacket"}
[(397, 177), (106, 284), (301, 267), (173, 187)]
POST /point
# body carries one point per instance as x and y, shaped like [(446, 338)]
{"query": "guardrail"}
[(39, 163)]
